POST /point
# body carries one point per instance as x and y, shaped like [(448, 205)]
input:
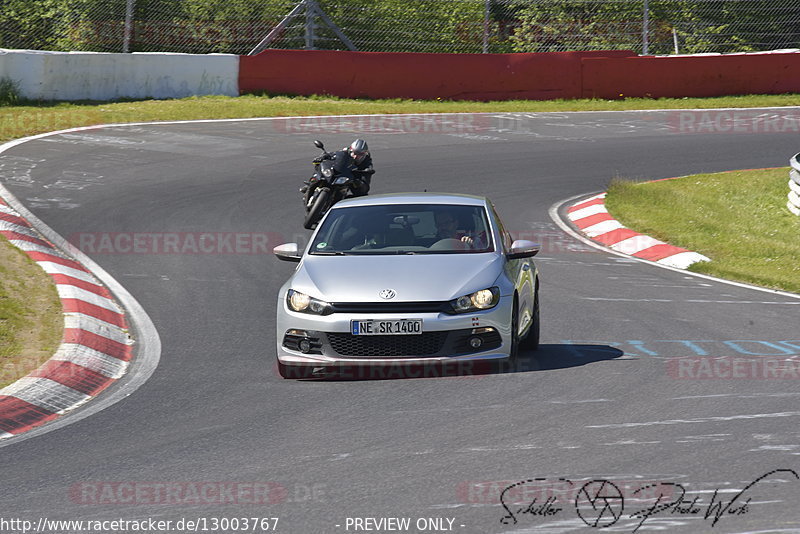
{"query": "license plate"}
[(382, 327)]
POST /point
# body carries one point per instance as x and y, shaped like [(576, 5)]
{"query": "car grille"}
[(425, 344), (392, 307)]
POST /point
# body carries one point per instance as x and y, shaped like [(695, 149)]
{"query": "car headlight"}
[(480, 300), (300, 302)]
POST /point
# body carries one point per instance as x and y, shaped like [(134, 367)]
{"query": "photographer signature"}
[(600, 503), (714, 510)]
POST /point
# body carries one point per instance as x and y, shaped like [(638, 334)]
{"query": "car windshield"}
[(404, 229)]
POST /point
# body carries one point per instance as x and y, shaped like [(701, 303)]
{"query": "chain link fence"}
[(467, 26)]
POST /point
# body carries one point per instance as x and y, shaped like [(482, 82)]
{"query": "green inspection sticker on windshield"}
[(322, 245)]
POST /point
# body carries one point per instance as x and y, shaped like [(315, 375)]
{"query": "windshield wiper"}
[(328, 253)]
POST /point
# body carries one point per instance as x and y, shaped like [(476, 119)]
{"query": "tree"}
[(31, 25)]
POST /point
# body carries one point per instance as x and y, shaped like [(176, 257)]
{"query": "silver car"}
[(399, 280)]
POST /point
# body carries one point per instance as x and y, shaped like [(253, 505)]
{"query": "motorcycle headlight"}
[(300, 302), (480, 300), (327, 172), (340, 180)]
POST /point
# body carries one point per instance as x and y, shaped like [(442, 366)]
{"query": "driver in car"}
[(447, 228)]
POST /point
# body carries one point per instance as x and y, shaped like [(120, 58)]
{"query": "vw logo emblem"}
[(387, 294)]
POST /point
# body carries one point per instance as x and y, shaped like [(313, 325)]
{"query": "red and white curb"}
[(95, 350), (592, 218)]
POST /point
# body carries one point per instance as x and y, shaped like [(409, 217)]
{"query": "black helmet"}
[(359, 150)]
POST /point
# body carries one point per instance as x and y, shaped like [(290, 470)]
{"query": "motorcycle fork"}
[(310, 194)]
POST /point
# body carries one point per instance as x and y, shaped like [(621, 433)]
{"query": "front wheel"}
[(513, 351), (531, 341), (318, 209)]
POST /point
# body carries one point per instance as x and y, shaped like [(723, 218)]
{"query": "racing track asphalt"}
[(597, 401)]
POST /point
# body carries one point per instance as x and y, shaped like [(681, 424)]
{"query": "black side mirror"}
[(318, 144)]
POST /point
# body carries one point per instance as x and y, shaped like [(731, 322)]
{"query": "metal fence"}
[(497, 26)]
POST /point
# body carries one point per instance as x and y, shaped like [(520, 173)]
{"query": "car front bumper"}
[(445, 338)]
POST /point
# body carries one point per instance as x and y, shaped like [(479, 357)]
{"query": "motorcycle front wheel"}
[(318, 208)]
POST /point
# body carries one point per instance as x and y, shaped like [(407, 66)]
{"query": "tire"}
[(318, 209), (531, 341), (513, 353)]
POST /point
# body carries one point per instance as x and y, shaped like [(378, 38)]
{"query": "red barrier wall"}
[(691, 76), (419, 76)]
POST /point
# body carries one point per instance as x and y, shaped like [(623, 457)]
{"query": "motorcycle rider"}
[(362, 169)]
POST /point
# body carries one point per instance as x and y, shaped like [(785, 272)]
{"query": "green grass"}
[(738, 219), (9, 92), (31, 320), (32, 118)]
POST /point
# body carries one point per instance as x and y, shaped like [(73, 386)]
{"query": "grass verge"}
[(32, 118), (9, 92), (31, 320), (738, 219)]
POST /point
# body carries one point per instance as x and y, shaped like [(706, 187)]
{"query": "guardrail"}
[(794, 186), (541, 76), (537, 76), (42, 75)]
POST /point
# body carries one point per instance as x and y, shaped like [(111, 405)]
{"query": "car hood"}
[(420, 277)]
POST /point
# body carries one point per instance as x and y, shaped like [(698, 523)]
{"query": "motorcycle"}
[(330, 183)]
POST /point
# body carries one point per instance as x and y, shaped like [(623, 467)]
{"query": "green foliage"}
[(227, 26), (725, 26), (408, 26), (30, 25), (236, 26), (9, 92), (699, 25), (99, 25), (95, 25), (562, 25)]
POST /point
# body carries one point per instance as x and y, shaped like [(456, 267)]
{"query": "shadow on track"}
[(547, 358), (550, 357)]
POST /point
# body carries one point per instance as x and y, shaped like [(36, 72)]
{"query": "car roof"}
[(413, 198)]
